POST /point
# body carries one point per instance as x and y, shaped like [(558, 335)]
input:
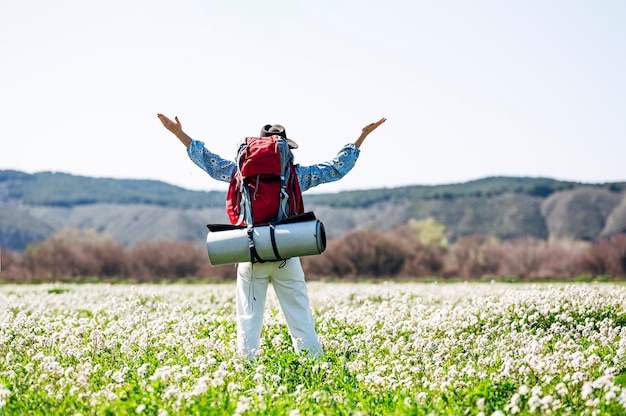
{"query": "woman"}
[(287, 277)]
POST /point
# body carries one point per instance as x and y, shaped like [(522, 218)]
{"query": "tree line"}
[(416, 250), (63, 189)]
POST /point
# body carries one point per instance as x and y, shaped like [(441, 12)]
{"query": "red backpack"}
[(265, 187)]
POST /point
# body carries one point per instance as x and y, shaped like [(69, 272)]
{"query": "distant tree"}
[(541, 190), (560, 258), (10, 266), (521, 256), (473, 256), (429, 232), (606, 256), (424, 252), (616, 187)]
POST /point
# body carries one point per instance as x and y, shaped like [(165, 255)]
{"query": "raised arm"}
[(176, 128), (217, 167), (367, 130), (337, 168)]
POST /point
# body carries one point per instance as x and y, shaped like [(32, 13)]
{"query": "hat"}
[(277, 130)]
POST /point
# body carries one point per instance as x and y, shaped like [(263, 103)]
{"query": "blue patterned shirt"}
[(308, 176)]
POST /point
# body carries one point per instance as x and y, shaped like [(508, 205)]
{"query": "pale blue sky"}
[(470, 88)]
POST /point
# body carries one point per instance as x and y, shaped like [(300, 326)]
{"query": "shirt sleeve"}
[(217, 167), (333, 170)]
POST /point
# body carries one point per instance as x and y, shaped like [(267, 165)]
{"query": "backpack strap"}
[(286, 158), (254, 254), (245, 206), (273, 240)]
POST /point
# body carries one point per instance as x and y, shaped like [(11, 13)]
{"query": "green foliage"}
[(64, 190), (487, 187), (616, 187), (58, 290), (582, 278), (620, 320), (430, 232)]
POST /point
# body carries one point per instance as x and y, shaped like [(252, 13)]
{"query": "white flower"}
[(561, 389), (4, 393), (278, 340), (142, 370), (586, 390), (243, 405), (480, 403)]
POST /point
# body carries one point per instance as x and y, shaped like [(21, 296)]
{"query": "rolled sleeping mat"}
[(303, 235)]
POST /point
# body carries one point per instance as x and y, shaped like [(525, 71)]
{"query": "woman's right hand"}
[(175, 127)]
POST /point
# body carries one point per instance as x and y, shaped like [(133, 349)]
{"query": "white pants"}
[(290, 287)]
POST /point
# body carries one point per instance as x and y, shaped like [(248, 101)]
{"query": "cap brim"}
[(292, 144)]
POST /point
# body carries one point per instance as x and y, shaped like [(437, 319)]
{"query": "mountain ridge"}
[(35, 206)]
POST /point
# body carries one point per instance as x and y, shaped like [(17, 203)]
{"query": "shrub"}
[(75, 253), (421, 259), (166, 260), (473, 256), (561, 258), (532, 258), (606, 256), (10, 265), (361, 253)]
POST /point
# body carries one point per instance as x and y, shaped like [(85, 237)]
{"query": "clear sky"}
[(470, 88)]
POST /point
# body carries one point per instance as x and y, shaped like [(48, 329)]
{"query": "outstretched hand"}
[(176, 128), (372, 126), (367, 130), (173, 126)]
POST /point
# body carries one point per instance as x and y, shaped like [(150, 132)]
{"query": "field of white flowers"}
[(391, 348)]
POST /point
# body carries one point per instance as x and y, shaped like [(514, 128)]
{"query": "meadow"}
[(391, 348)]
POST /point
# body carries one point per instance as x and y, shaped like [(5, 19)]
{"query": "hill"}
[(34, 206)]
